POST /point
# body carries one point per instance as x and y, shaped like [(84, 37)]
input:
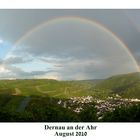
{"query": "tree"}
[(88, 115)]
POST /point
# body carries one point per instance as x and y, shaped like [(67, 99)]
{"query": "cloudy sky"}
[(69, 44)]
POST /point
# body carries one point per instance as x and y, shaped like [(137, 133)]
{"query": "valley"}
[(46, 99)]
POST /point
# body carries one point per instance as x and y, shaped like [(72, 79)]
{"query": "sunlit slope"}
[(127, 85), (45, 87)]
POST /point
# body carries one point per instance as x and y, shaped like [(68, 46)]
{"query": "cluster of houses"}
[(77, 104)]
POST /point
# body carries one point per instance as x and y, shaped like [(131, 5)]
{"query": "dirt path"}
[(66, 91), (23, 104), (17, 91), (45, 92)]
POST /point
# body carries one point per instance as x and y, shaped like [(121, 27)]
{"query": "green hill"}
[(47, 87), (127, 85), (46, 99)]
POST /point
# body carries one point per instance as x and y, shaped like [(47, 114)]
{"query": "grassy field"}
[(16, 94), (52, 88), (127, 85), (37, 99)]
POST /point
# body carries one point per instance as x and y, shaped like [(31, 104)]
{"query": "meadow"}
[(38, 99)]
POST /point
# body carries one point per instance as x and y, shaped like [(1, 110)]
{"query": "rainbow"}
[(82, 20)]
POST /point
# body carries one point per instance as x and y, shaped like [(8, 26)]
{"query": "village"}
[(78, 104)]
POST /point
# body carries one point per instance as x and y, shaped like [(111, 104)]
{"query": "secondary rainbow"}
[(82, 20)]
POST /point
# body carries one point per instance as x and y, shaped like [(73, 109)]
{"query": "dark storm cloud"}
[(14, 23)]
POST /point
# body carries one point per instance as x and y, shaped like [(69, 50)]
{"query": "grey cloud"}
[(115, 20), (73, 50), (16, 60), (89, 68), (15, 72), (78, 53), (1, 61)]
